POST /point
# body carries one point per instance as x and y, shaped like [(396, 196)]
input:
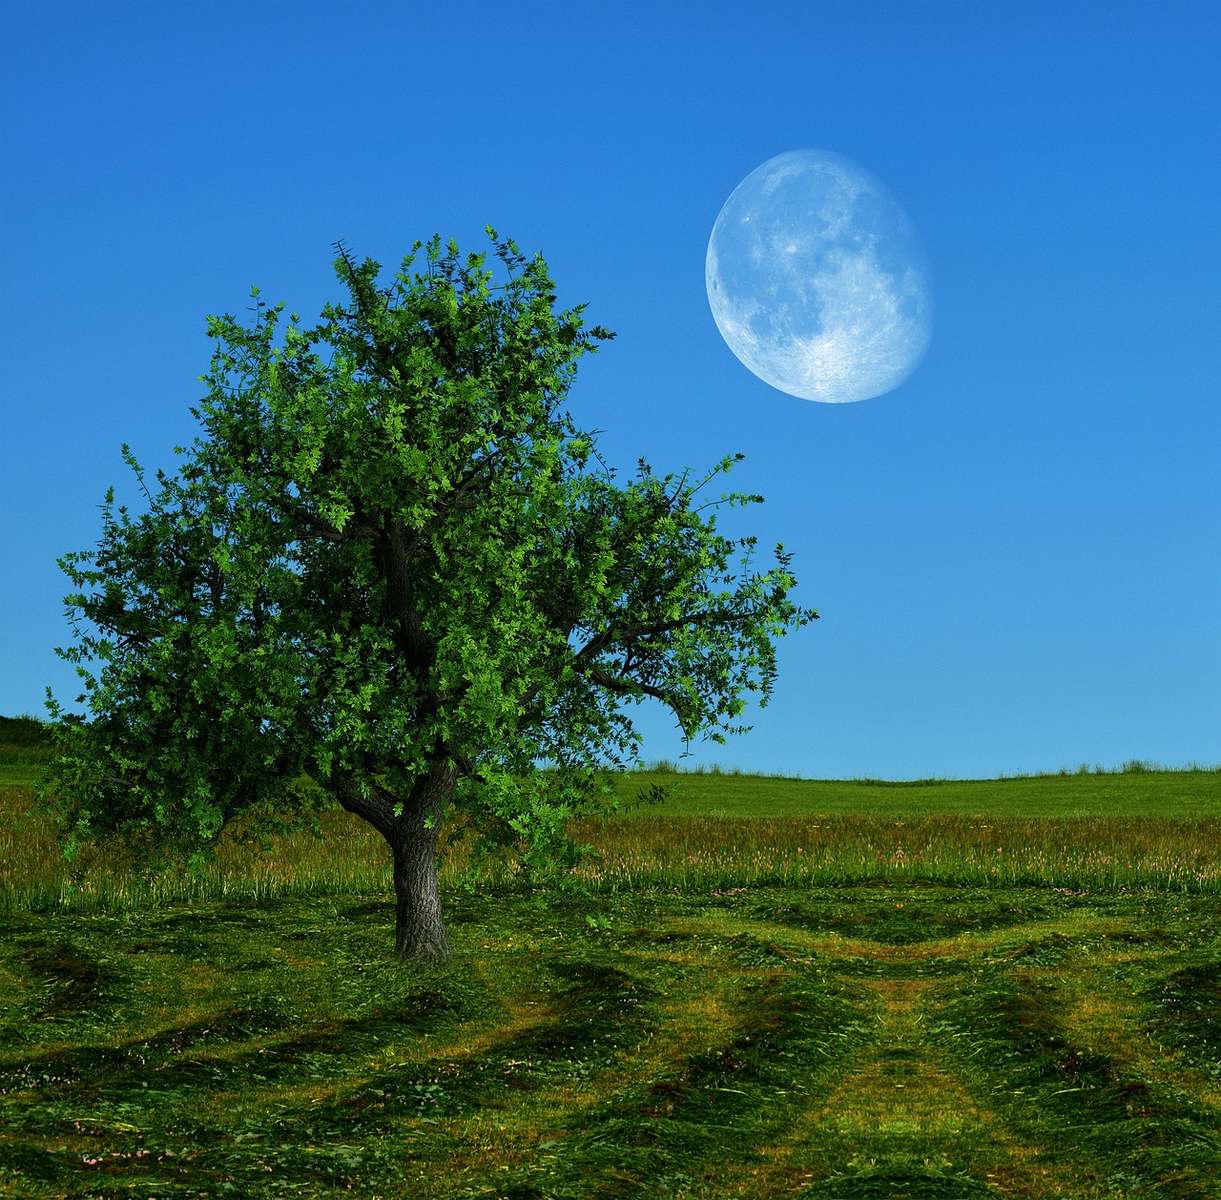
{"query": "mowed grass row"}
[(862, 1042), (1147, 829)]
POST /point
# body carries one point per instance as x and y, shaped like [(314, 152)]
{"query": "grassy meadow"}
[(766, 988)]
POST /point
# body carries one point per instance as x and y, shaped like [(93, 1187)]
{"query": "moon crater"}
[(816, 279)]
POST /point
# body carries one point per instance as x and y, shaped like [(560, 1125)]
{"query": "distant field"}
[(1162, 794), (976, 990)]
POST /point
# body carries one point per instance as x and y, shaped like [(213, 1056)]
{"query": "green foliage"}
[(402, 574), (24, 741), (26, 733)]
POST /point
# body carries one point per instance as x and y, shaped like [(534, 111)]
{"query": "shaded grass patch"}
[(1009, 1038), (903, 1183), (1188, 1013)]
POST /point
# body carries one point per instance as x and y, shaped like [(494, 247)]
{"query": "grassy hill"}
[(1144, 793)]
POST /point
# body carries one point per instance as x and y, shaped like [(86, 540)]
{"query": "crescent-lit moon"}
[(816, 279)]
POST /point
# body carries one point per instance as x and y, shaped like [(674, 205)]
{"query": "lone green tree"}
[(405, 575)]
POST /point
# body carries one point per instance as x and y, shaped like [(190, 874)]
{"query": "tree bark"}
[(419, 929)]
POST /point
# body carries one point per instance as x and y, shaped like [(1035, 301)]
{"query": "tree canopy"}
[(405, 575)]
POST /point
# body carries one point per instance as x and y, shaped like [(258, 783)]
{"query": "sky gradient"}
[(1015, 554)]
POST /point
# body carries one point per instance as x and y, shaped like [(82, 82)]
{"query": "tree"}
[(406, 576)]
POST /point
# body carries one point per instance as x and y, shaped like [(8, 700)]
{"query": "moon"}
[(816, 279)]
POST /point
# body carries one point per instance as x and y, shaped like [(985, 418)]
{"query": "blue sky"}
[(1015, 554)]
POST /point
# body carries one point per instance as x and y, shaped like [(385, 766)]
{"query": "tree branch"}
[(373, 808), (611, 636), (625, 686), (306, 523), (414, 643)]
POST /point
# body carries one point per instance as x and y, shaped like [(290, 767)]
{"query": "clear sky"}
[(1015, 554)]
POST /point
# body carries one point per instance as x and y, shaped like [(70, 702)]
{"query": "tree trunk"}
[(419, 930)]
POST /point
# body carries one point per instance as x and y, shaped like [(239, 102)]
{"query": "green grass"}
[(769, 988), (1163, 794), (1159, 829), (885, 1040)]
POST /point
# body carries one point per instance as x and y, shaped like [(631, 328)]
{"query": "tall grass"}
[(1074, 852), (350, 857), (679, 850)]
